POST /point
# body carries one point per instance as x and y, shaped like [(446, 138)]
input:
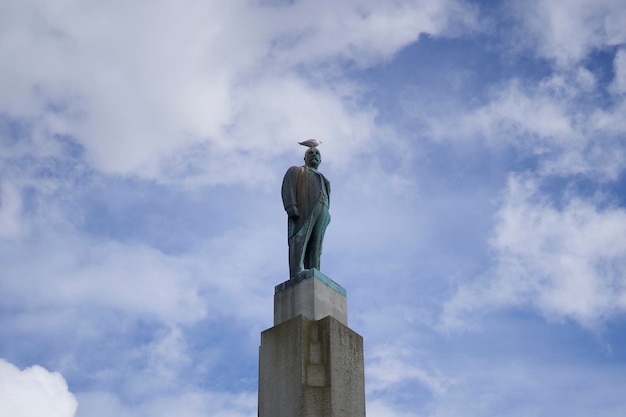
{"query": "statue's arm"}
[(289, 193), (327, 186)]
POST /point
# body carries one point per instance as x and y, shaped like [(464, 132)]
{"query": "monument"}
[(310, 361)]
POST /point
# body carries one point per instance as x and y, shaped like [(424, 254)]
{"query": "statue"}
[(306, 198)]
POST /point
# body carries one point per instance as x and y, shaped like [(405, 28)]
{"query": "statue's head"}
[(312, 158)]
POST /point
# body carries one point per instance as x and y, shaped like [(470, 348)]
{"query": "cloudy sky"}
[(477, 153)]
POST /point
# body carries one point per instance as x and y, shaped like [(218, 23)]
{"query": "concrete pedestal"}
[(311, 368), (311, 294), (310, 362)]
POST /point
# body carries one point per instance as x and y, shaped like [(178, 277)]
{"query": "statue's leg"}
[(314, 247), (298, 245)]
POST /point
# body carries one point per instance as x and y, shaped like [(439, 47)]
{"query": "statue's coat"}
[(302, 188)]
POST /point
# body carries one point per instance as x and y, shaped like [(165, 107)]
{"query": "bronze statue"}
[(306, 198)]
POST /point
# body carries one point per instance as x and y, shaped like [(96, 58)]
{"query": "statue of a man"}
[(306, 197)]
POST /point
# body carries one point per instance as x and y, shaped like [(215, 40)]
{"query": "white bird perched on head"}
[(311, 143)]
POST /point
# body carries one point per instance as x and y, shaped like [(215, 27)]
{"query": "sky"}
[(477, 156)]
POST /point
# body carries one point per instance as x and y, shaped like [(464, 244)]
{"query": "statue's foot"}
[(304, 274)]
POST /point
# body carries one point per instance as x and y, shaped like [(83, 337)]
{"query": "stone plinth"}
[(311, 368), (311, 294)]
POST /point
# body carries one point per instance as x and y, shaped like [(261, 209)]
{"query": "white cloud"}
[(71, 272), (269, 123), (191, 404), (366, 32), (167, 355), (380, 408), (547, 121), (389, 366), (565, 262), (140, 84), (11, 224), (97, 293), (619, 66), (34, 392), (560, 121), (515, 111), (567, 31), (74, 270)]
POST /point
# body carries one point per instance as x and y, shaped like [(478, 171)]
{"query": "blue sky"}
[(477, 155)]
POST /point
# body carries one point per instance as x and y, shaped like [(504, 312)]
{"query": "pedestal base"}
[(312, 294), (311, 368)]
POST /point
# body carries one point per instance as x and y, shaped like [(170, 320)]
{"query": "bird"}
[(311, 143)]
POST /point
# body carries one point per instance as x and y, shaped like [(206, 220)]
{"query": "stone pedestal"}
[(311, 294), (310, 362)]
